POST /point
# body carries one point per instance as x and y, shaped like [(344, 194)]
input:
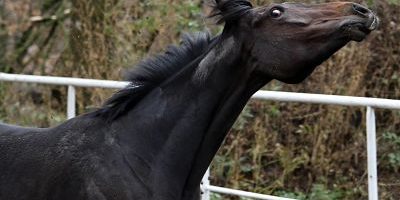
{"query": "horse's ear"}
[(229, 11)]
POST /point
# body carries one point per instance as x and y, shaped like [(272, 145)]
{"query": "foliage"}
[(396, 2), (292, 195), (215, 196), (318, 192), (392, 144)]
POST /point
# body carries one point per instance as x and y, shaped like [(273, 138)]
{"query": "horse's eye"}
[(276, 12)]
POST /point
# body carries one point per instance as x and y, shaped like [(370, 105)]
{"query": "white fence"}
[(369, 103)]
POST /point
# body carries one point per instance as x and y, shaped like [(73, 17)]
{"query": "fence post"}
[(371, 151), (71, 102), (205, 182)]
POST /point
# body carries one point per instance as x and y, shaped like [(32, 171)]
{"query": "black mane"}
[(152, 71), (155, 69)]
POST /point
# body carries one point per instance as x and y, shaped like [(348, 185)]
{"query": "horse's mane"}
[(153, 71)]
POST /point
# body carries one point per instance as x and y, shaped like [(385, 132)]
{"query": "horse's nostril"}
[(361, 10)]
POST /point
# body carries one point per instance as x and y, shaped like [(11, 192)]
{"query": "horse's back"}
[(17, 142), (70, 161), (34, 161), (20, 142)]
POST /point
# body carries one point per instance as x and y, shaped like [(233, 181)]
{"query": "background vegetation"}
[(287, 149)]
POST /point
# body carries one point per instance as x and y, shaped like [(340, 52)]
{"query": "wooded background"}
[(287, 149)]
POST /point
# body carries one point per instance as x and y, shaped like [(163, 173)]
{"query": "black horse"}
[(154, 139)]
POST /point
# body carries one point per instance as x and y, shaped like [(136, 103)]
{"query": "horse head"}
[(287, 41)]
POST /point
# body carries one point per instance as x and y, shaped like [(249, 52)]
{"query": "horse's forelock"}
[(229, 11)]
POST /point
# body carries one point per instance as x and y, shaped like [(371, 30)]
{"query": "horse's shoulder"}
[(80, 133)]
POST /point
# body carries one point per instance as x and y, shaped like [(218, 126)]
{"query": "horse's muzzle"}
[(358, 26), (372, 20)]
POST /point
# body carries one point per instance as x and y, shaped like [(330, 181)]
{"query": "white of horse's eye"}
[(275, 13)]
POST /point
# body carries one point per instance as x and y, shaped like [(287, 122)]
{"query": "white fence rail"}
[(369, 103)]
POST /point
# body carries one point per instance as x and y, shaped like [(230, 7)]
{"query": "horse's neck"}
[(227, 112), (173, 133)]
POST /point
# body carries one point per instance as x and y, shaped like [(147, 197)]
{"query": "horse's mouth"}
[(357, 30)]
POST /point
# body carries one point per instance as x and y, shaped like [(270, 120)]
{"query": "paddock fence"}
[(369, 103)]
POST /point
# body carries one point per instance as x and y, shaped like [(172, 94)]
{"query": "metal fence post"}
[(205, 183), (71, 102), (371, 150)]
